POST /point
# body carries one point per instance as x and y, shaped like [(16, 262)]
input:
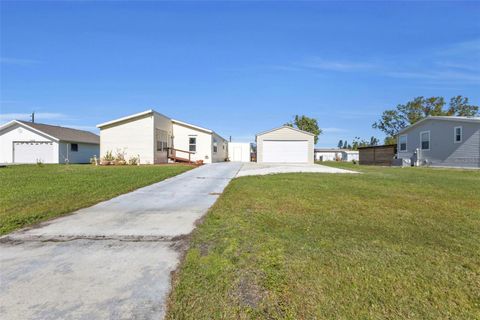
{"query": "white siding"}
[(327, 155), (181, 135), (135, 137), (222, 148), (17, 132), (239, 151)]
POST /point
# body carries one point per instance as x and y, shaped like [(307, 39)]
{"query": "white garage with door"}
[(27, 142), (285, 145), (33, 151)]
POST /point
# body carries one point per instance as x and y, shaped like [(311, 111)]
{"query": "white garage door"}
[(285, 151), (32, 152)]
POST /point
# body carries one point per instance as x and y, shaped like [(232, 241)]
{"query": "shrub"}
[(120, 157), (134, 161), (108, 156)]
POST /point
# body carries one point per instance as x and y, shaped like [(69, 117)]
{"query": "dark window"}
[(192, 144), (458, 134), (425, 139), (74, 147), (403, 143)]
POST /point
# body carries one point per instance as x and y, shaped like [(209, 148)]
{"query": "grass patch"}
[(391, 243), (30, 193)]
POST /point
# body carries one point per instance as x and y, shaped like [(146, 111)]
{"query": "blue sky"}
[(237, 67)]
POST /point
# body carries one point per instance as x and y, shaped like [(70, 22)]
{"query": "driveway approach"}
[(109, 261), (260, 169)]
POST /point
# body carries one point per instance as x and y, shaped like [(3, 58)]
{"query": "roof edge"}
[(23, 124), (191, 125), (282, 127), (132, 116), (441, 118)]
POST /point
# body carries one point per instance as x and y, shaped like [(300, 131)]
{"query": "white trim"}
[(282, 127), (455, 134), (133, 116), (191, 126), (406, 143), (442, 118), (429, 141), (9, 124)]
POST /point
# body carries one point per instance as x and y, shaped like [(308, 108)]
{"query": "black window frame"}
[(192, 146), (74, 147)]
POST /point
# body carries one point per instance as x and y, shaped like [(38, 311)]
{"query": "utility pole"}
[(230, 139), (33, 117)]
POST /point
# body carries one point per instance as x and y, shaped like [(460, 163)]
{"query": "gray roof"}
[(65, 134)]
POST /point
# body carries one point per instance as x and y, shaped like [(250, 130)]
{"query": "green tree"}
[(306, 124), (345, 145), (374, 141), (394, 120), (390, 140), (340, 144)]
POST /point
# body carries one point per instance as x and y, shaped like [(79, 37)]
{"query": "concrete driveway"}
[(109, 261), (255, 169)]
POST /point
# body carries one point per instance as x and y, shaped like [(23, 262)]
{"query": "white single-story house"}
[(239, 151), (285, 144), (28, 142), (155, 138), (336, 155), (441, 141)]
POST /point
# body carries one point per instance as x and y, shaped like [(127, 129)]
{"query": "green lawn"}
[(30, 193), (391, 243)]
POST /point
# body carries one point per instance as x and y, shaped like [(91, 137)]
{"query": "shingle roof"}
[(65, 134)]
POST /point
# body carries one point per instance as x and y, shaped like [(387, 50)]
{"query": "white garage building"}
[(27, 142), (285, 144)]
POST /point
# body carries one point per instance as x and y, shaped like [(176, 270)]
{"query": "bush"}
[(108, 156), (134, 161), (120, 157)]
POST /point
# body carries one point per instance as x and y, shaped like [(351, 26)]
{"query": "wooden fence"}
[(377, 155)]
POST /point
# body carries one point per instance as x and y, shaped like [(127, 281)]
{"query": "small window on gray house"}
[(215, 146), (192, 144), (74, 147), (425, 140), (402, 141), (458, 134)]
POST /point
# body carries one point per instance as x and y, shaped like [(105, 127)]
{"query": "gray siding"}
[(443, 149)]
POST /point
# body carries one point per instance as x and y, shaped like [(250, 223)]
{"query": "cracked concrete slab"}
[(112, 260)]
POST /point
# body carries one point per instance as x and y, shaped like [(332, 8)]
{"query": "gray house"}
[(441, 141)]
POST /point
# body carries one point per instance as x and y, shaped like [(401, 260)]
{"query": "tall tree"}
[(306, 124), (340, 144), (345, 145), (374, 141), (394, 120)]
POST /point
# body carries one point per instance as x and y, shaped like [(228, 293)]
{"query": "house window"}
[(215, 146), (74, 147), (458, 134), (425, 140), (192, 144), (402, 141)]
